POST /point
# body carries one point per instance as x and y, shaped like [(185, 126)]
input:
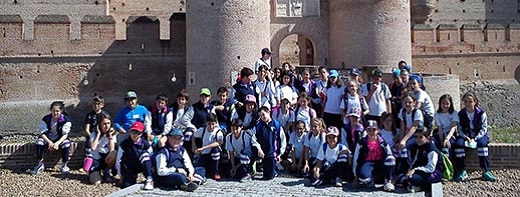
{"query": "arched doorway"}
[(296, 49)]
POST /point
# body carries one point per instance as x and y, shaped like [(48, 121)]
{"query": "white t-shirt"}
[(209, 137), (426, 100), (444, 120), (286, 92), (103, 145), (387, 136), (314, 143), (331, 155), (305, 116), (283, 118), (260, 61), (334, 96), (297, 143), (237, 144), (353, 103), (377, 104), (266, 87), (409, 122)]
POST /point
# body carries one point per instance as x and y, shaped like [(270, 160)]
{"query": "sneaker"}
[(38, 168), (216, 177), (148, 185), (389, 187), (65, 169), (317, 182), (487, 176), (189, 187), (462, 176), (338, 182), (414, 189), (279, 167), (245, 178)]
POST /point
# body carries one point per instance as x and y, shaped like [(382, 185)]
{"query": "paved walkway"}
[(276, 187)]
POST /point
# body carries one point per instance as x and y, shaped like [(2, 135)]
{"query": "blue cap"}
[(355, 71), (175, 132), (416, 78), (333, 73), (396, 72)]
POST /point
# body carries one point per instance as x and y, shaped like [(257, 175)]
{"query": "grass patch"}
[(505, 135)]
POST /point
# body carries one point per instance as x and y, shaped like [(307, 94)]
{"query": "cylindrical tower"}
[(223, 36), (370, 32)]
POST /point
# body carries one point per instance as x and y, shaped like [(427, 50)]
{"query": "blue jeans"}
[(177, 179), (482, 153), (376, 170)]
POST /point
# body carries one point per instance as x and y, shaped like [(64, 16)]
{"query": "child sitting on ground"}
[(54, 132), (332, 160), (210, 138), (239, 143)]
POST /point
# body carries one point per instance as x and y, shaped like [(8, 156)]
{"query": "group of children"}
[(363, 133)]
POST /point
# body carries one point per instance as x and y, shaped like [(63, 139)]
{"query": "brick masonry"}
[(22, 155)]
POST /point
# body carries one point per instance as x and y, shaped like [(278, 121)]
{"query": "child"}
[(473, 129), (446, 120), (286, 90), (128, 115), (239, 143), (353, 100), (284, 115), (423, 100), (162, 119), (396, 89), (373, 159), (91, 121), (245, 87), (247, 113), (182, 114), (133, 157), (174, 167), (332, 159), (355, 75), (378, 96), (211, 137), (296, 140), (411, 119), (303, 111), (312, 144), (390, 134), (353, 131), (54, 131), (317, 94), (427, 164), (333, 93), (267, 90), (103, 143), (270, 135), (202, 108), (224, 108)]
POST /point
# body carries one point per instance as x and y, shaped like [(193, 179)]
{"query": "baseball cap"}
[(266, 50), (372, 124), (355, 71), (130, 94), (250, 98), (205, 91), (377, 72), (333, 73), (396, 72), (332, 130), (355, 112), (137, 126), (175, 132)]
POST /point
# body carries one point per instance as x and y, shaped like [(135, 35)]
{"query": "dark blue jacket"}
[(465, 122), (200, 112), (159, 119), (268, 139), (61, 121), (132, 152), (242, 90)]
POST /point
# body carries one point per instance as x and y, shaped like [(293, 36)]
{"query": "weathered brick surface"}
[(501, 156), (22, 155)]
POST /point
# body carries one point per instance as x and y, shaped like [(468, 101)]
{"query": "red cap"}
[(137, 126)]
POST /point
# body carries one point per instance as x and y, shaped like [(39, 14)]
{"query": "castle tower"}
[(222, 36), (370, 32)]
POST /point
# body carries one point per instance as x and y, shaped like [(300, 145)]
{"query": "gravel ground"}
[(52, 183)]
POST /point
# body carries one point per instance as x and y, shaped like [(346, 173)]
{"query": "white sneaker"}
[(148, 185), (65, 169), (389, 187), (339, 182), (38, 168), (317, 182)]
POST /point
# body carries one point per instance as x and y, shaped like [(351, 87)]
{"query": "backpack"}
[(428, 120), (448, 167)]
